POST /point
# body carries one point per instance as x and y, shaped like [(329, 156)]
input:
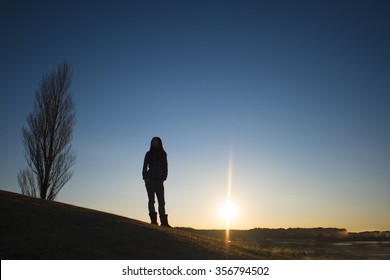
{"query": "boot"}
[(153, 218), (164, 221)]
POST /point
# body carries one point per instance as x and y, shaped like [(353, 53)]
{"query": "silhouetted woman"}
[(155, 172)]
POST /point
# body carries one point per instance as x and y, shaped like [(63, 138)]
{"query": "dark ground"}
[(32, 228)]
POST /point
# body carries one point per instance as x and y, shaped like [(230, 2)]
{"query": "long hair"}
[(159, 152)]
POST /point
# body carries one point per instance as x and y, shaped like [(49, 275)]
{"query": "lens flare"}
[(229, 210)]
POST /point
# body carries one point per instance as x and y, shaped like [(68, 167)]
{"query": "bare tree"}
[(48, 135)]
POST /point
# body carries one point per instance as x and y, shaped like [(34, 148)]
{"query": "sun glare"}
[(228, 211)]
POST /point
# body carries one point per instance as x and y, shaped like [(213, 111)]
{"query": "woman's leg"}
[(159, 189), (150, 188), (161, 204)]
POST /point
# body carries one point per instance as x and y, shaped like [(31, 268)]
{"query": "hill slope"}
[(32, 228)]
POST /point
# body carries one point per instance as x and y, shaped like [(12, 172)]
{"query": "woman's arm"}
[(165, 168), (145, 166)]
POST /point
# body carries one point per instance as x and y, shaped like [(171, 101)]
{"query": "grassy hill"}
[(32, 228)]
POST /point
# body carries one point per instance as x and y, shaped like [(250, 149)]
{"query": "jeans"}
[(155, 187)]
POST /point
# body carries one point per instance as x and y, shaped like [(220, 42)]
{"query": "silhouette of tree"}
[(48, 135)]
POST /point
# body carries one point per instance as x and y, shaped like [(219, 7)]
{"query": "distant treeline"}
[(317, 234), (369, 235)]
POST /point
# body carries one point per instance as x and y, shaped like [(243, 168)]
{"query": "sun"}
[(228, 211)]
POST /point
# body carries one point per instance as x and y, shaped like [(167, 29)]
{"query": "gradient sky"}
[(295, 93)]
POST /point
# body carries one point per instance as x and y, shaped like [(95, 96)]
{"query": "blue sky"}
[(295, 92)]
